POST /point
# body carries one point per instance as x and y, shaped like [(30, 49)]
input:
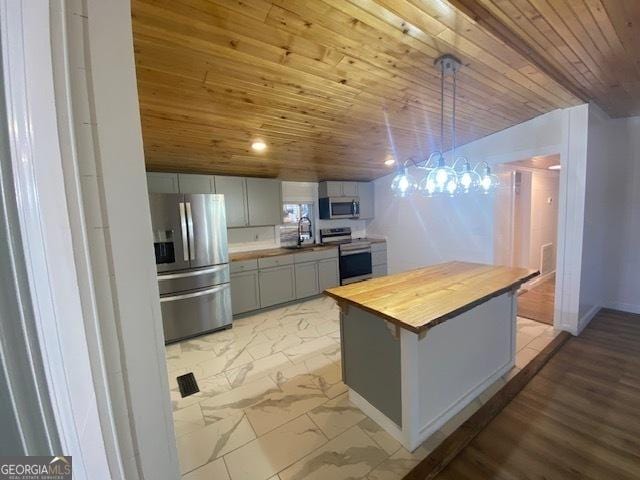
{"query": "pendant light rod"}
[(448, 65)]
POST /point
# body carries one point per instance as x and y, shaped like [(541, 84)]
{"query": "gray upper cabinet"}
[(193, 183), (235, 199), (162, 182), (307, 279), (337, 189), (264, 201), (328, 275), (367, 199), (248, 201), (245, 293), (350, 189), (277, 285)]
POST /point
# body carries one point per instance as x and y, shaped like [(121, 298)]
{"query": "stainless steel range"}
[(190, 242), (355, 254)]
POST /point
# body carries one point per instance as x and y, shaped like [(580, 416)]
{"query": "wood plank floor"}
[(537, 302), (579, 418)]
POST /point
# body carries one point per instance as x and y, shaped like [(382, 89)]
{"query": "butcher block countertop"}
[(275, 252), (420, 299)]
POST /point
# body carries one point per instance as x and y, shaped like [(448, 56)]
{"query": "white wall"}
[(621, 159), (423, 231), (544, 214)]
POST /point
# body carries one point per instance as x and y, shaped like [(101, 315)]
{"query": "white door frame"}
[(46, 236)]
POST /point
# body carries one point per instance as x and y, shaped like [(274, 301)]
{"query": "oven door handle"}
[(354, 252), (199, 293)]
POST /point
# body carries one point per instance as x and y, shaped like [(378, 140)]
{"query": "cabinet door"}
[(349, 189), (365, 194), (244, 292), (264, 201), (330, 189), (191, 183), (328, 275), (235, 199), (307, 279), (162, 182), (277, 285), (379, 270)]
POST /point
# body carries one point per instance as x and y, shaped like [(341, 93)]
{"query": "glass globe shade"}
[(468, 180), (444, 179), (402, 184)]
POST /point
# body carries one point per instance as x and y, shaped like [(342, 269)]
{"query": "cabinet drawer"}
[(379, 247), (243, 266), (379, 258), (275, 261), (315, 256)]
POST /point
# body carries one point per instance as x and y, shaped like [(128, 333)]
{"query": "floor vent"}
[(187, 384)]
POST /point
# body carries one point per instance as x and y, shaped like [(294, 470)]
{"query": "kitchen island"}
[(419, 346)]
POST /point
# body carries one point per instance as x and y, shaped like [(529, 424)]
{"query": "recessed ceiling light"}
[(555, 167), (259, 145), (389, 161)]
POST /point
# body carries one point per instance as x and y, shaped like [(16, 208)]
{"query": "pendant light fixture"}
[(439, 178)]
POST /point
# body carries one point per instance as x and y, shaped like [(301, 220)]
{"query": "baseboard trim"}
[(586, 318), (623, 307), (437, 460)]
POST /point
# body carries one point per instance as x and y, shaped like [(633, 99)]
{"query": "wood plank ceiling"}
[(334, 87), (592, 46)]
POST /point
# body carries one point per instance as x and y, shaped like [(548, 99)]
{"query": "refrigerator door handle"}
[(192, 247), (199, 293), (193, 273), (185, 234)]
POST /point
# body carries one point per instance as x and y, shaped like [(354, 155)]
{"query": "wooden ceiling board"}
[(332, 86), (592, 47)]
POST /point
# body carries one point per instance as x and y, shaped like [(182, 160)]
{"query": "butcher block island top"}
[(420, 299)]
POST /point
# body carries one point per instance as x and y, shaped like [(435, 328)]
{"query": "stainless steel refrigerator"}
[(190, 243)]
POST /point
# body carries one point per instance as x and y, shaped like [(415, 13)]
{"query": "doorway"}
[(532, 215)]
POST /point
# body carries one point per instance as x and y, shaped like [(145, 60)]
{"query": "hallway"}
[(537, 302)]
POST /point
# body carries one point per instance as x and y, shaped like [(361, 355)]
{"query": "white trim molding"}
[(46, 235)]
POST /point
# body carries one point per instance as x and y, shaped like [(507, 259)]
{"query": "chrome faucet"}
[(300, 239)]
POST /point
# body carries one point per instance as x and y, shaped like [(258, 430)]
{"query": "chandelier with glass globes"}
[(440, 178)]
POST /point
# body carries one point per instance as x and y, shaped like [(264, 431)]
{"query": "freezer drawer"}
[(189, 314), (175, 282)]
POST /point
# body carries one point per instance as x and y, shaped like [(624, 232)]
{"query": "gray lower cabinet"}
[(328, 274), (277, 285), (235, 199), (245, 293), (307, 279)]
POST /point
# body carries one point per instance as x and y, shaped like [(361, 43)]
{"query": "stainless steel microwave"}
[(339, 207)]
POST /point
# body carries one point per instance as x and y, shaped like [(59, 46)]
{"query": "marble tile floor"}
[(272, 405)]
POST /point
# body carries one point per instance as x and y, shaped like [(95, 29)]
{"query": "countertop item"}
[(420, 299), (274, 252)]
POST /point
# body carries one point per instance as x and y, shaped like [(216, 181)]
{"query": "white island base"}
[(412, 384)]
